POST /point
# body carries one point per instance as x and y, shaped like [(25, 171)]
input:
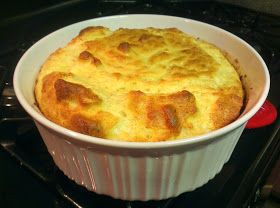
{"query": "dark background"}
[(14, 8)]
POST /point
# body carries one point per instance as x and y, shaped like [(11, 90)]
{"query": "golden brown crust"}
[(48, 99), (226, 109), (124, 47), (139, 85), (70, 91), (162, 111), (85, 125), (85, 55), (171, 118), (61, 94), (100, 30)]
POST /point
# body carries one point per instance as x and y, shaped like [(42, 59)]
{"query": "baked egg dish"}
[(141, 85)]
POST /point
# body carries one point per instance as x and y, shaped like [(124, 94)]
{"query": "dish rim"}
[(72, 135)]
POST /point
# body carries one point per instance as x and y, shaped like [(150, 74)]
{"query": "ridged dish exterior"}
[(129, 176)]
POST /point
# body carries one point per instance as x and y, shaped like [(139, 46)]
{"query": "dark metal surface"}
[(21, 145)]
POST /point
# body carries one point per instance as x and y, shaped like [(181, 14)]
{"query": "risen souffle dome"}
[(139, 85)]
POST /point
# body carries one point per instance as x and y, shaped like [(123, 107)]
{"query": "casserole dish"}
[(135, 170)]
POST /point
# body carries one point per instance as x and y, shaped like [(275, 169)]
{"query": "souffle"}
[(141, 85)]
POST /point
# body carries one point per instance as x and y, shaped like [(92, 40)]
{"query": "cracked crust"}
[(139, 85)]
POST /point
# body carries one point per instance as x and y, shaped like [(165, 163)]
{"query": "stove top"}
[(30, 169)]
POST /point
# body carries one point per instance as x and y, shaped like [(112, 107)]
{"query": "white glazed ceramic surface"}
[(142, 171)]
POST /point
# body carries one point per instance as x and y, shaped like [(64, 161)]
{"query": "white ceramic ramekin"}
[(132, 170)]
